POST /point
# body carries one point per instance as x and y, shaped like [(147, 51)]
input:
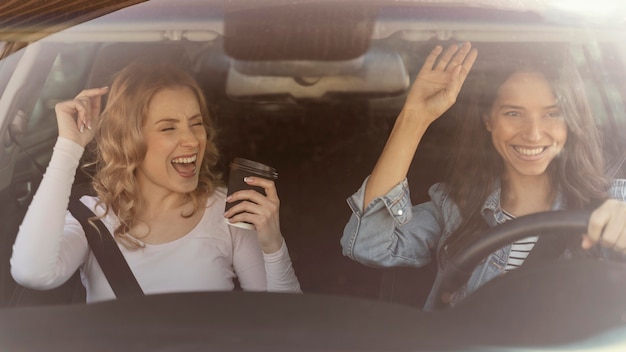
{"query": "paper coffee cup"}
[(239, 169)]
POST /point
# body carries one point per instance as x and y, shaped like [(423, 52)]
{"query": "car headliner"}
[(25, 21)]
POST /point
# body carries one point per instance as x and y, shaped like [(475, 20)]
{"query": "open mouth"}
[(185, 165), (530, 152)]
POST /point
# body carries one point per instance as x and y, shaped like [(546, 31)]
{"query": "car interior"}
[(318, 155), (321, 121), (313, 91)]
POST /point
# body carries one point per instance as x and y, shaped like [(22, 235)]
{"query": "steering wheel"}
[(459, 268)]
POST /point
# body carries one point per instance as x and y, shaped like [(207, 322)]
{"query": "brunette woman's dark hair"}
[(475, 167)]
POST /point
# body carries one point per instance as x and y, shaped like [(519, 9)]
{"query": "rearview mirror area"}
[(299, 32), (376, 73)]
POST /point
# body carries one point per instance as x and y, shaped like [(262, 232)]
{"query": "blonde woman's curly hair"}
[(120, 146)]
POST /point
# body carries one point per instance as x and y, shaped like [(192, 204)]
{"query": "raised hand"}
[(259, 210), (439, 81), (435, 89), (77, 117)]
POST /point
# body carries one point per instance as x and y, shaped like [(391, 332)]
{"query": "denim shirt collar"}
[(492, 212)]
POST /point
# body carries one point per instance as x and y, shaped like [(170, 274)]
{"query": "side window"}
[(36, 128), (64, 81), (7, 65), (602, 90), (600, 66)]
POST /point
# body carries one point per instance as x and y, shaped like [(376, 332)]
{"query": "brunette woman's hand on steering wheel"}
[(607, 226)]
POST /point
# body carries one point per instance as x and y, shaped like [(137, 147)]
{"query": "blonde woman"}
[(157, 193)]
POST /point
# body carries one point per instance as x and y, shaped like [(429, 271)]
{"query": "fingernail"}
[(82, 128), (89, 125), (105, 87), (248, 179), (229, 198)]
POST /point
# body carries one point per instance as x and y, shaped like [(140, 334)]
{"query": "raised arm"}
[(50, 245), (435, 89)]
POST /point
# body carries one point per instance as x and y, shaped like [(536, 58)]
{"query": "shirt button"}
[(400, 212)]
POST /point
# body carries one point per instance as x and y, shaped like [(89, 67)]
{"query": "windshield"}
[(311, 92)]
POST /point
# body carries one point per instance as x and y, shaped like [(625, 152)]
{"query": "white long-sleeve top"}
[(51, 245)]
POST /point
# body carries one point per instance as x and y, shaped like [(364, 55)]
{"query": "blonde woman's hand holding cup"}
[(262, 211)]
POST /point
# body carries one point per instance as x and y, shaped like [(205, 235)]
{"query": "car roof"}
[(25, 21), (29, 20)]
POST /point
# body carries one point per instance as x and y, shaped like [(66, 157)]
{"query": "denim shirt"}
[(392, 232)]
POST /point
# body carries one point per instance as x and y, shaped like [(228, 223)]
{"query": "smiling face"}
[(527, 127), (175, 139)]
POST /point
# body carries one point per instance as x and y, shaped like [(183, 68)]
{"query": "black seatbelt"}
[(101, 242), (106, 251)]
